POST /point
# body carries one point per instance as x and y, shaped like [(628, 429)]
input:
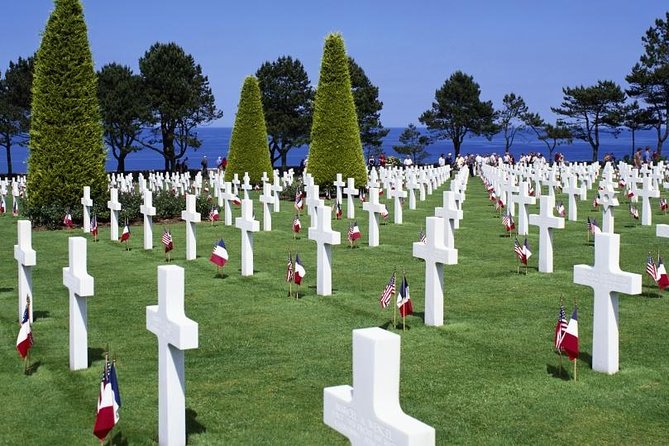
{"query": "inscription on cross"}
[(369, 413), (607, 280)]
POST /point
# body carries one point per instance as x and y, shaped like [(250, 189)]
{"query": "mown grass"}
[(488, 376)]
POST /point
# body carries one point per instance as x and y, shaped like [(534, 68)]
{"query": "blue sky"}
[(408, 49)]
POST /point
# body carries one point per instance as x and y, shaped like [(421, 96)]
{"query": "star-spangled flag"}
[(299, 202), (507, 221), (388, 292), (662, 278), (94, 226), (297, 224), (338, 212), (219, 255), (651, 269), (404, 299), (630, 193), (300, 272), (214, 215), (167, 241), (570, 338), (560, 209), (499, 204), (67, 221), (422, 238), (290, 271), (492, 197), (560, 328), (125, 235), (592, 226), (664, 205)]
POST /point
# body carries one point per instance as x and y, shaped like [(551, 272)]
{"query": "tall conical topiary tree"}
[(335, 137), (66, 145), (249, 149)]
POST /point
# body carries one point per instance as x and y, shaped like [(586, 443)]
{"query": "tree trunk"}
[(9, 155), (456, 146), (120, 166), (633, 143), (284, 161)]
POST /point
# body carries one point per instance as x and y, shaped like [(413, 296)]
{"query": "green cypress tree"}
[(335, 137), (66, 145), (249, 149)]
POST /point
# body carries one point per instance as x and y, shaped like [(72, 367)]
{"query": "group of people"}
[(644, 158)]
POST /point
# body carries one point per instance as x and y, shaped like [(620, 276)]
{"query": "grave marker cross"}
[(325, 237), (26, 258), (87, 203), (546, 222), (248, 225), (190, 216)]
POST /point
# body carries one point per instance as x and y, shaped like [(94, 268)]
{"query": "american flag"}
[(338, 212), (592, 226), (621, 184), (422, 237), (560, 327), (630, 193), (530, 191), (560, 209), (297, 224), (507, 221), (167, 240), (299, 203), (499, 204), (94, 226), (388, 292), (651, 269), (663, 204), (518, 250), (492, 197), (362, 195), (595, 202), (523, 252), (290, 272)]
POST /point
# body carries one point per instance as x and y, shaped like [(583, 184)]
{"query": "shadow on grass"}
[(192, 425), (220, 276), (585, 357), (558, 372), (95, 354), (507, 235), (118, 439), (386, 326), (32, 368), (651, 295), (6, 290), (41, 314)]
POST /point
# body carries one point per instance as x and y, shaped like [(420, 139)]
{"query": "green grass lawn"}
[(488, 376)]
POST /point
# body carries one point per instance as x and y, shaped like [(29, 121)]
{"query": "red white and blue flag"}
[(300, 272), (94, 226), (338, 212), (125, 235), (299, 201), (388, 292), (507, 221), (570, 339), (15, 207), (67, 221), (3, 205), (560, 328), (214, 215), (662, 278), (651, 269), (219, 255), (109, 402), (290, 270), (24, 341), (297, 224), (354, 232), (167, 240), (404, 299)]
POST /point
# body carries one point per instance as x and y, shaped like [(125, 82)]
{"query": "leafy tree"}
[(458, 111), (509, 118), (590, 109), (15, 98), (179, 98), (335, 136), (249, 150), (124, 110), (636, 118), (287, 101), (551, 135), (66, 144), (649, 79), (413, 143), (368, 108)]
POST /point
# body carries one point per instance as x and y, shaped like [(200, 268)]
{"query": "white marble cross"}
[(572, 190), (248, 225), (191, 217), (235, 184), (350, 192), (266, 199), (607, 280), (398, 194), (608, 200), (546, 222), (375, 209), (436, 254), (81, 285), (511, 191), (450, 213), (339, 184), (313, 201), (149, 211), (412, 185), (87, 203), (369, 413), (228, 197), (114, 208), (646, 193), (175, 333), (524, 199), (26, 257), (246, 185), (552, 182), (277, 189), (324, 237)]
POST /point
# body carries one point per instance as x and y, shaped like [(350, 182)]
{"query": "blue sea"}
[(216, 140)]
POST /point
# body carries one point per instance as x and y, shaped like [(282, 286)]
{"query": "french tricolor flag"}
[(125, 235), (219, 255), (300, 272), (25, 339)]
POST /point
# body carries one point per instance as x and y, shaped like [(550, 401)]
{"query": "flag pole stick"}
[(575, 361), (404, 322), (395, 315)]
